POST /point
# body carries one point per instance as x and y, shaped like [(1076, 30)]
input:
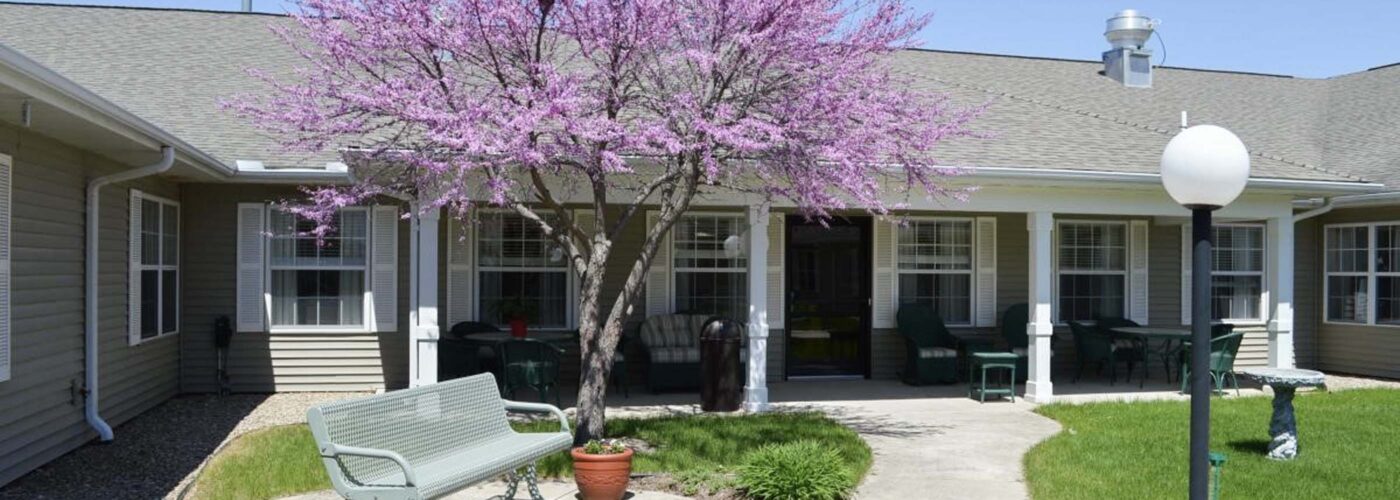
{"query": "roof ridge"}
[(140, 8), (1121, 121)]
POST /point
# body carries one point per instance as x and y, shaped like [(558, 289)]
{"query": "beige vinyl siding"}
[(1307, 291), (1355, 349), (42, 418), (262, 362)]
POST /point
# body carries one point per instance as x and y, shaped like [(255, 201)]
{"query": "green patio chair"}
[(1092, 346), (1138, 348), (1013, 329), (931, 351), (1223, 350), (530, 364)]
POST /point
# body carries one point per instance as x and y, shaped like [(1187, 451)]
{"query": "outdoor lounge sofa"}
[(431, 440), (672, 345)]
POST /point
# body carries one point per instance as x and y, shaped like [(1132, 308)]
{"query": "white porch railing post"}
[(1038, 386), (423, 307), (756, 384), (1280, 284)]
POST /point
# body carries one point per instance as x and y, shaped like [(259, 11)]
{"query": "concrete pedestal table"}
[(1283, 427)]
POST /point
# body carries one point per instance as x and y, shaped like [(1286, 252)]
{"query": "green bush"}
[(796, 470)]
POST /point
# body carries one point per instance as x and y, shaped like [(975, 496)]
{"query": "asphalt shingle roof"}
[(172, 67)]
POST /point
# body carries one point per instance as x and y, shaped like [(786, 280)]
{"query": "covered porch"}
[(1007, 244)]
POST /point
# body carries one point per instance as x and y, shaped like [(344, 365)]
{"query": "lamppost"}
[(1204, 168)]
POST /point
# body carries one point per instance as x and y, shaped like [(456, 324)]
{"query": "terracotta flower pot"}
[(602, 477)]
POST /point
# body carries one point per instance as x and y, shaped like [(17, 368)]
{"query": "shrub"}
[(796, 470)]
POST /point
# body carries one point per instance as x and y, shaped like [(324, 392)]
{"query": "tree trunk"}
[(595, 352)]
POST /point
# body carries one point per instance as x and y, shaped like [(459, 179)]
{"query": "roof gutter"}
[(19, 63), (1098, 176), (90, 347)]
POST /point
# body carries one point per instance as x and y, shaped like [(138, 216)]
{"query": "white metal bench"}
[(427, 441)]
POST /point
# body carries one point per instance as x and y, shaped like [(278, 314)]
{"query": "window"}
[(319, 283), (521, 272), (158, 227), (1092, 270), (711, 266), (1237, 273), (935, 267), (1363, 273)]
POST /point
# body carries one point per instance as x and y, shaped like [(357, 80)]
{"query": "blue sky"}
[(1302, 38)]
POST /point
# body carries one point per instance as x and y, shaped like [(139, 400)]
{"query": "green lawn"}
[(698, 451), (268, 463), (1349, 445)]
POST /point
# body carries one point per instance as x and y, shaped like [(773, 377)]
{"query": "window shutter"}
[(986, 269), (882, 305), (133, 281), (460, 244), (776, 287), (252, 303), (1138, 302), (6, 166), (1186, 274), (659, 276), (384, 264)]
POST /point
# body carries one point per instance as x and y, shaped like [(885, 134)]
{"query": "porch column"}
[(423, 299), (1041, 279), (1280, 283), (756, 386)]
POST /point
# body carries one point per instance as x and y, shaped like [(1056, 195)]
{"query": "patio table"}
[(1283, 427), (493, 340), (1165, 336)]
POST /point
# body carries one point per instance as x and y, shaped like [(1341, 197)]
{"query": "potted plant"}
[(602, 469), (517, 313)]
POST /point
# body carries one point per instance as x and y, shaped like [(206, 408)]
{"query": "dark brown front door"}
[(828, 292)]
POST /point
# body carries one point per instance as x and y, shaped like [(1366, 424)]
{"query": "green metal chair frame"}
[(1223, 350), (530, 364), (1092, 346), (922, 328)]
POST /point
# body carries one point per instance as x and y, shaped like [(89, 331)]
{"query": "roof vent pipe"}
[(1129, 62), (247, 5)]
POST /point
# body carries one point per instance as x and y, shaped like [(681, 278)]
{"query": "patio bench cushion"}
[(1121, 344), (1019, 351), (427, 441), (670, 330), (937, 352)]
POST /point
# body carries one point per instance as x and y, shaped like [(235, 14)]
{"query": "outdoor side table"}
[(1283, 427), (985, 361)]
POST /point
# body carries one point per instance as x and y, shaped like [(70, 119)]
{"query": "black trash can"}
[(721, 371)]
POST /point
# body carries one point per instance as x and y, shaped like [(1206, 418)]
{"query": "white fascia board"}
[(35, 80), (1039, 175)]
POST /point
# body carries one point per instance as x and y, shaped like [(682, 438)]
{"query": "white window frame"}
[(1371, 274), (673, 240), (161, 268), (366, 326), (570, 280), (1263, 275), (970, 272), (1126, 273)]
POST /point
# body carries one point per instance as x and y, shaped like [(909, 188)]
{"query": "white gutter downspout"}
[(90, 346), (1326, 207)]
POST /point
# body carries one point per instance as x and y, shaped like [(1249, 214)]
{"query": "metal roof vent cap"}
[(1129, 29), (1129, 62)]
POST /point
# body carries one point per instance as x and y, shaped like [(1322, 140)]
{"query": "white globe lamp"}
[(1205, 166)]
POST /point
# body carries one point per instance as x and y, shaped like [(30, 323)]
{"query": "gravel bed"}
[(156, 454)]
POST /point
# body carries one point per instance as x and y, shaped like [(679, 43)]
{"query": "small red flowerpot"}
[(602, 477), (518, 328)]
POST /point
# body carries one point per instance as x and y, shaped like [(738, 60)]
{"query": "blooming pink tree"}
[(535, 105)]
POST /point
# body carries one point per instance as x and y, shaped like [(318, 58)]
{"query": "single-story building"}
[(135, 213)]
